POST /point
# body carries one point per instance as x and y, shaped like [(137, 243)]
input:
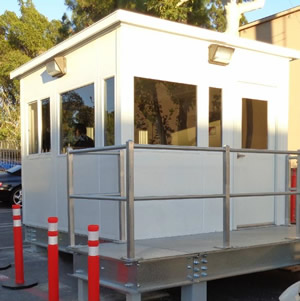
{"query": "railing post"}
[(226, 199), (70, 191), (130, 198), (298, 197)]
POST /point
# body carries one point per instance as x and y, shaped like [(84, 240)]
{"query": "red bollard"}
[(18, 248), (293, 197), (93, 263), (53, 281), (18, 242)]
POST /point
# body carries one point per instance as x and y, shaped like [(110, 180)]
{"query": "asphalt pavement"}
[(264, 286)]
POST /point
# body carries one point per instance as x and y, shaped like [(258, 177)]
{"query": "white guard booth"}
[(155, 82)]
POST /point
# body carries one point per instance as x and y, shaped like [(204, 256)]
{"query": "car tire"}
[(16, 196)]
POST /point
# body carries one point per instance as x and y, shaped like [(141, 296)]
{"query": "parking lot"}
[(263, 286)]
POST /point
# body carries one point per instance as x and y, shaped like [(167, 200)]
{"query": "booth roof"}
[(120, 17)]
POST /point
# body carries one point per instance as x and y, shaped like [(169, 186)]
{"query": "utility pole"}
[(235, 10)]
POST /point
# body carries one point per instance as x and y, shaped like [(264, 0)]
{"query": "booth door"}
[(252, 172)]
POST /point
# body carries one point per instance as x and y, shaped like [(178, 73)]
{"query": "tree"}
[(21, 38), (204, 13)]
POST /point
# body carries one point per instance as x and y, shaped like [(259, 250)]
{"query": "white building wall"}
[(162, 56), (45, 186)]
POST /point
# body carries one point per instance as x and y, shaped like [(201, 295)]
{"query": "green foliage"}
[(86, 12), (204, 13), (21, 38), (168, 9)]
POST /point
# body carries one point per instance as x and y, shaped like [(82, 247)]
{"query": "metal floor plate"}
[(152, 249)]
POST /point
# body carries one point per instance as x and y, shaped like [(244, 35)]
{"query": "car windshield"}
[(14, 169)]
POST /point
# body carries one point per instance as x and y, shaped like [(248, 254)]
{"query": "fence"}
[(10, 155)]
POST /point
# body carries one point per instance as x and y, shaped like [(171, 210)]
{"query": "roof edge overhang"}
[(120, 17)]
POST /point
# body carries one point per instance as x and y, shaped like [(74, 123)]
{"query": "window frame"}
[(267, 121), (59, 113), (39, 126), (222, 119), (104, 97), (171, 81)]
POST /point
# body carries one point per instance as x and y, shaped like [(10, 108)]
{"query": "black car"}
[(11, 185)]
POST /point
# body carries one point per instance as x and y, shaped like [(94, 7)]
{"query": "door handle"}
[(239, 155)]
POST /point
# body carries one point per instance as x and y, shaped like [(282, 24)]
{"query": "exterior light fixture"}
[(57, 67), (220, 55)]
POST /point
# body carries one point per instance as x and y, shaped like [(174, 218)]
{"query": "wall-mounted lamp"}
[(219, 54), (57, 67)]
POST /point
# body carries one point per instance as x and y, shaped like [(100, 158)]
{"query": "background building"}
[(282, 29)]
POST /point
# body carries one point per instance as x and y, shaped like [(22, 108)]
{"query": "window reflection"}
[(109, 112), (165, 112), (215, 117), (254, 124), (33, 128), (46, 134), (77, 118)]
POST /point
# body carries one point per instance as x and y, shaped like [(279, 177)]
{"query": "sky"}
[(54, 9)]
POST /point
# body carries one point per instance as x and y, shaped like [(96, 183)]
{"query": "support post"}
[(70, 191), (194, 292), (134, 297), (130, 198), (298, 197), (226, 199)]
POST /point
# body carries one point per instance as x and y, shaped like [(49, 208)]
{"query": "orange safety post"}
[(53, 274), (93, 263), (19, 282), (293, 197)]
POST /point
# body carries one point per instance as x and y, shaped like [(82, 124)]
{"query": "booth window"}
[(77, 118), (215, 117), (254, 124), (33, 141), (109, 112), (164, 112), (46, 129)]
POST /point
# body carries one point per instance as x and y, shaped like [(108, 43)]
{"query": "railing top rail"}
[(96, 149), (183, 148), (214, 149), (177, 147), (264, 151)]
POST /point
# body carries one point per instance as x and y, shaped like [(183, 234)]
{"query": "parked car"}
[(11, 185)]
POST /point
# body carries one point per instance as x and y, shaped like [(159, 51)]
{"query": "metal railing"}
[(129, 197), (10, 155)]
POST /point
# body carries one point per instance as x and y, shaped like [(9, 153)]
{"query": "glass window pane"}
[(165, 112), (215, 117), (109, 112), (46, 130), (33, 128), (254, 124), (77, 118)]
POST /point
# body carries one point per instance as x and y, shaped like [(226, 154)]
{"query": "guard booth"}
[(180, 93)]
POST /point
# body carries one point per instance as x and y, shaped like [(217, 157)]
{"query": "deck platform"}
[(193, 259)]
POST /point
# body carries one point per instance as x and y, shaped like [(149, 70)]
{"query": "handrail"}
[(100, 197), (104, 197), (96, 149), (129, 197)]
